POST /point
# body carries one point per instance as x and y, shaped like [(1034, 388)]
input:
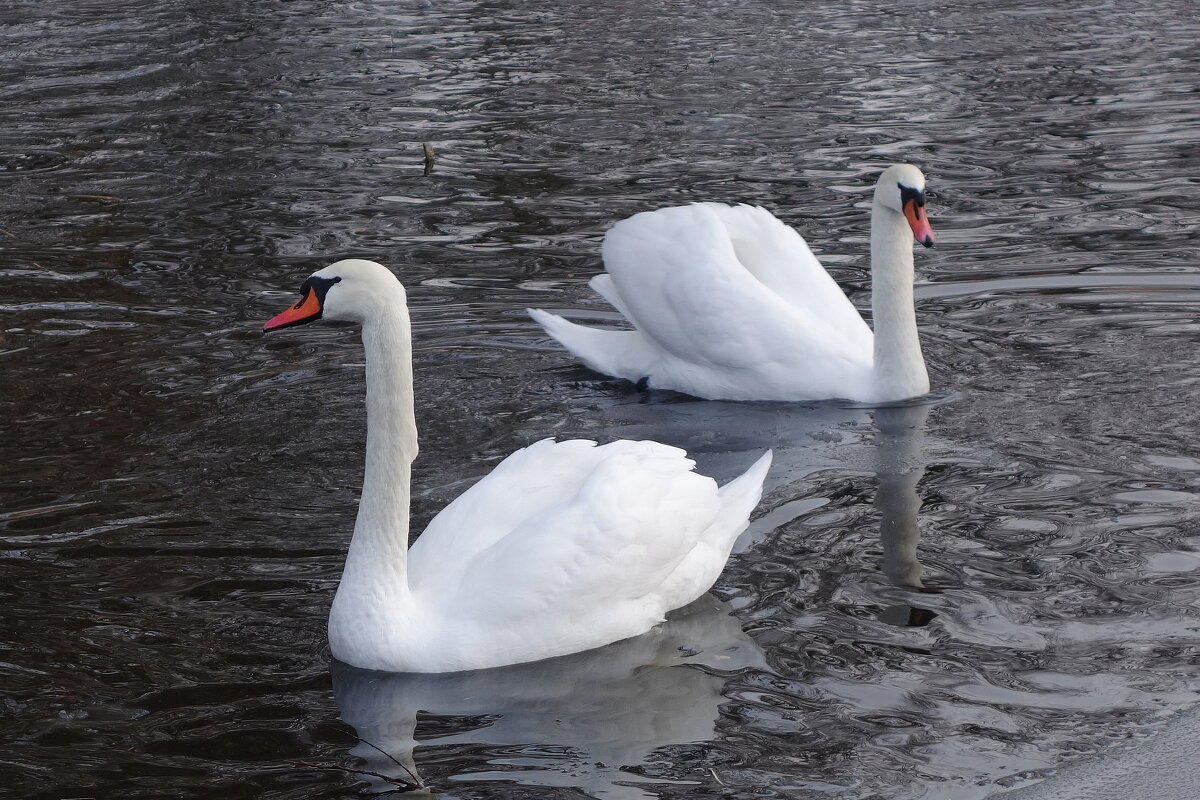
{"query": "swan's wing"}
[(528, 481), (561, 527), (727, 287), (778, 256)]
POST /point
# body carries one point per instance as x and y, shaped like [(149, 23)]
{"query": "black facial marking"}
[(318, 285), (908, 193)]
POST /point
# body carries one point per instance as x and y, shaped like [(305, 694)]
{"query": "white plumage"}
[(565, 546), (729, 303)]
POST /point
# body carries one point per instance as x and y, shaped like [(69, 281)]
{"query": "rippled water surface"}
[(936, 601)]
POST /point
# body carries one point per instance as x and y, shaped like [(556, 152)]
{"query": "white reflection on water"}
[(724, 438), (901, 467)]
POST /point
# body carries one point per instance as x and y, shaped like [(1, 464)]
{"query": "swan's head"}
[(901, 188), (354, 290)]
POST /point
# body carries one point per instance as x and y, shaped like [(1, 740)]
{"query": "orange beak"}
[(307, 309), (918, 220)]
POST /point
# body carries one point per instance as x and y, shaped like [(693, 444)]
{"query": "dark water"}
[(937, 602)]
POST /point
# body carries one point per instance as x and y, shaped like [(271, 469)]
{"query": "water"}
[(938, 601)]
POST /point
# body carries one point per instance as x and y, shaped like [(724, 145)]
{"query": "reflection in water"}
[(900, 468), (581, 721), (723, 437)]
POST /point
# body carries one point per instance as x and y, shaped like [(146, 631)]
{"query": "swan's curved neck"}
[(376, 573), (899, 366)]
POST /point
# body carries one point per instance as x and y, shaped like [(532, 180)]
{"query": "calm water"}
[(937, 601)]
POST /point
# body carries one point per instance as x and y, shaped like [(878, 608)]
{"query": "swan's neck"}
[(899, 367), (375, 580)]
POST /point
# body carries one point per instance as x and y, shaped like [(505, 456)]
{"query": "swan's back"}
[(733, 238), (729, 303), (569, 504), (566, 546)]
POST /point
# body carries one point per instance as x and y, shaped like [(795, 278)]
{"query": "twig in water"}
[(716, 777), (428, 149), (401, 785), (103, 198), (404, 785), (417, 782)]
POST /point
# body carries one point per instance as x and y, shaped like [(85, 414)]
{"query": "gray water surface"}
[(942, 600)]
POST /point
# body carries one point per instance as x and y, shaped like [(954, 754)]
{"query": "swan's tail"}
[(703, 565), (622, 354), (740, 496)]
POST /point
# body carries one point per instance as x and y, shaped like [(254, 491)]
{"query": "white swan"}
[(728, 303), (565, 546)]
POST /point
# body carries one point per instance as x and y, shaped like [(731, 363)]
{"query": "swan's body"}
[(565, 546), (729, 303)]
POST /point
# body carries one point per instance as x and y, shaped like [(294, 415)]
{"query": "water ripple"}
[(179, 489)]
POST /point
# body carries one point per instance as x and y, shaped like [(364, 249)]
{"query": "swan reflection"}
[(579, 721), (721, 436), (900, 467)]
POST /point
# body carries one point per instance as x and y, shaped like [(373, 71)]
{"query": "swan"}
[(729, 303), (564, 547)]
